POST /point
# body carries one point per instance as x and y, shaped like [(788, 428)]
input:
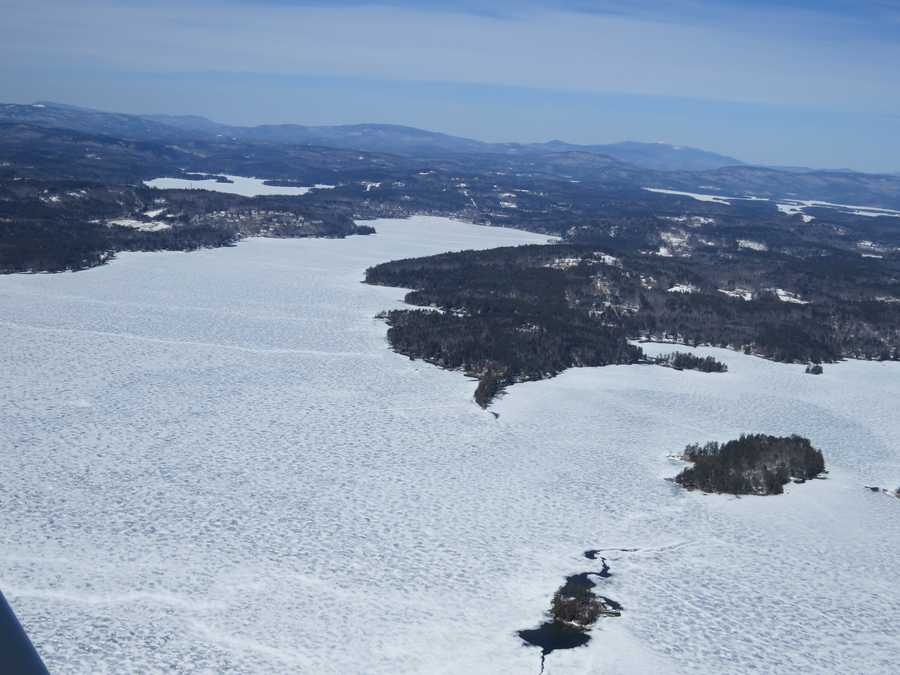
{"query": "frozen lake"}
[(212, 463), (239, 185)]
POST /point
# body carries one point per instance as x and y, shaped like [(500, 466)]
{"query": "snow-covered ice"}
[(213, 463), (239, 185), (693, 195), (791, 206)]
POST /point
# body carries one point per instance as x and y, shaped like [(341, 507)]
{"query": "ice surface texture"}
[(213, 463)]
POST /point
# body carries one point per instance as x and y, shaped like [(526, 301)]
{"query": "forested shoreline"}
[(55, 226), (529, 312)]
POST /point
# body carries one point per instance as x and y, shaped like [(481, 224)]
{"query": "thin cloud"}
[(558, 50)]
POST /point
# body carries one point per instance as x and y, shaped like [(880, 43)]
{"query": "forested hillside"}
[(529, 312)]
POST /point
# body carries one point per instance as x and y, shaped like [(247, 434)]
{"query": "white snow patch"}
[(149, 226), (752, 245), (564, 263), (691, 221), (684, 288), (607, 259), (790, 209), (788, 296), (742, 293), (673, 238)]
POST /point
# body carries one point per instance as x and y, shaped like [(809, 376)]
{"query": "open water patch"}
[(574, 609)]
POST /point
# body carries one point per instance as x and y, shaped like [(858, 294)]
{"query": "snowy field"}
[(239, 185), (212, 463)]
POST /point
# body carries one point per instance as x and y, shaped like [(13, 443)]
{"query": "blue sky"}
[(793, 82)]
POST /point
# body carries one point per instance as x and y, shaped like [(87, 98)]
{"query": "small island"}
[(574, 610), (576, 603), (754, 464)]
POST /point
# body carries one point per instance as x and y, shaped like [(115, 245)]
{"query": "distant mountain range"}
[(380, 138), (73, 192), (56, 140)]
